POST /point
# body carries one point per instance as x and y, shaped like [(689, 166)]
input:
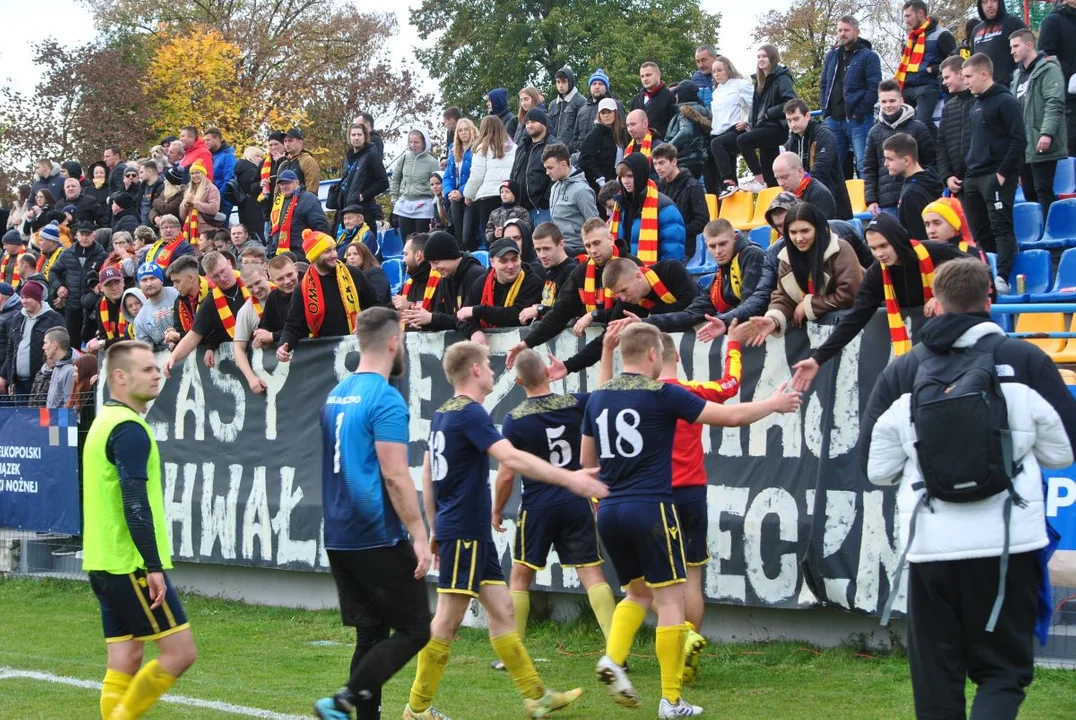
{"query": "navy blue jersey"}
[(549, 427), (633, 422), (460, 433), (361, 410)]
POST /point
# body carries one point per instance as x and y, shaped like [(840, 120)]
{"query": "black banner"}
[(793, 520)]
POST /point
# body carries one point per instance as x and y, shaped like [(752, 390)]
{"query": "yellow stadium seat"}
[(1043, 322), (711, 203), (762, 204), (1068, 353), (857, 195), (737, 207)]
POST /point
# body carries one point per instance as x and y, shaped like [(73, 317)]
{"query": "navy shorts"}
[(467, 565), (125, 607), (644, 542), (569, 527), (694, 521)]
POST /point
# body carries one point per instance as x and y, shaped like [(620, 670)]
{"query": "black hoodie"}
[(907, 284), (997, 134), (917, 192), (452, 292), (1057, 38), (991, 37)]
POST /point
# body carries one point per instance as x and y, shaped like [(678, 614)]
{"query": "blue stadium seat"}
[(481, 256), (701, 262), (1027, 223), (760, 236), (857, 224), (391, 244), (705, 282), (1019, 195), (992, 258), (1065, 176), (1034, 265), (394, 268), (1060, 230), (1064, 287)]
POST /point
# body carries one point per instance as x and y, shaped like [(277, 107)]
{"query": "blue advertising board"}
[(1060, 491), (39, 469)]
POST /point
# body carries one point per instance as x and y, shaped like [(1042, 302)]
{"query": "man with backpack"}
[(963, 423)]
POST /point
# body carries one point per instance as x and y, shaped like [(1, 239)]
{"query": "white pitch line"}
[(8, 673)]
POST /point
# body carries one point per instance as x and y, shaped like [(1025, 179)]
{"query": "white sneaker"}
[(681, 709), (1002, 285), (752, 185), (616, 683), (728, 190)]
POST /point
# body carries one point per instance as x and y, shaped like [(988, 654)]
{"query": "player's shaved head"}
[(530, 369), (461, 357), (637, 340), (669, 352), (375, 326), (119, 355)]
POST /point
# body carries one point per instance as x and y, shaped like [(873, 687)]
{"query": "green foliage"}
[(487, 44)]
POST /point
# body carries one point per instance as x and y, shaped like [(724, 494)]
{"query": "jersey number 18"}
[(628, 442)]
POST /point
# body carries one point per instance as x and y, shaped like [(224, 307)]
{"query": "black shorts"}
[(125, 607), (568, 527), (467, 565), (644, 542), (377, 587), (694, 521)]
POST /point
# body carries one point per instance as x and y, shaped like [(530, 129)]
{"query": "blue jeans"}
[(539, 216), (853, 132)]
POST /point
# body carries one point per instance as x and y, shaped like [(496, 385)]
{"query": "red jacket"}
[(687, 467), (196, 151)]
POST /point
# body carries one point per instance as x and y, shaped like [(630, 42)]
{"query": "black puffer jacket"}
[(248, 178), (597, 155), (879, 186), (16, 324), (528, 171), (954, 136), (1057, 38), (991, 37), (365, 177), (76, 269), (768, 104)]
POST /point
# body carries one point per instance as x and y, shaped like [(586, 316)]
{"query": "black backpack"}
[(963, 442)]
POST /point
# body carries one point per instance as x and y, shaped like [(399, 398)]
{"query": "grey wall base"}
[(823, 627)]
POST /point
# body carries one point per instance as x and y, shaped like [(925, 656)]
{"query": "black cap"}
[(352, 209), (177, 175), (294, 134), (277, 135), (502, 246), (442, 246), (13, 237), (85, 226), (539, 115), (124, 200)]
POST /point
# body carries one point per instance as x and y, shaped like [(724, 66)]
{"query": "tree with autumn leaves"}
[(244, 66)]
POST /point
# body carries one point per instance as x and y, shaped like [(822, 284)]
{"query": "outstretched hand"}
[(712, 330), (585, 483), (806, 370), (556, 369), (512, 353), (784, 401)]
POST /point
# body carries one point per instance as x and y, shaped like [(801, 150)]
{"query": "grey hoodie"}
[(572, 203), (155, 318), (123, 302), (563, 112), (63, 378)]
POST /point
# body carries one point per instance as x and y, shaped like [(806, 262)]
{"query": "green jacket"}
[(1044, 108)]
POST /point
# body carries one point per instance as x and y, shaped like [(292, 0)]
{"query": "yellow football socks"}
[(669, 645), (521, 605), (145, 689), (603, 603), (518, 663), (432, 660), (112, 690), (627, 619)]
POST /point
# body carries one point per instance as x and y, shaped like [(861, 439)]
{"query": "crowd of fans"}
[(192, 246)]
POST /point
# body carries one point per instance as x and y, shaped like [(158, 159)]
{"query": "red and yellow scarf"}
[(657, 285), (314, 298), (224, 311), (265, 174), (45, 262), (589, 294), (491, 284), (648, 225), (161, 253), (432, 282), (188, 306), (644, 147), (717, 297), (802, 188), (914, 49), (15, 276), (190, 226), (897, 332), (114, 329), (283, 243)]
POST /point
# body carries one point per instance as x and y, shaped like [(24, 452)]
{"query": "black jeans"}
[(991, 226), (767, 141), (486, 206), (948, 607), (465, 223), (378, 593), (724, 150), (1037, 180), (413, 225), (924, 98)]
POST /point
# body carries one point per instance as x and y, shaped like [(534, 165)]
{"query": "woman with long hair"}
[(603, 146), (529, 97), (364, 176), (761, 144), (730, 109), (817, 273), (175, 187), (491, 164), (20, 204), (457, 173), (41, 213), (201, 196), (358, 255)]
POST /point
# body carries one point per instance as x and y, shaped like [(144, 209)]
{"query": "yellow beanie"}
[(315, 243)]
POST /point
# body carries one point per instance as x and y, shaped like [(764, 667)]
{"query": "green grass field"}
[(282, 660)]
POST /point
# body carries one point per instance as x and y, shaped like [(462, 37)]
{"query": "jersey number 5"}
[(560, 452), (629, 441), (438, 463)]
